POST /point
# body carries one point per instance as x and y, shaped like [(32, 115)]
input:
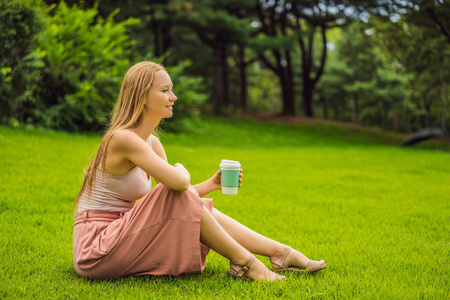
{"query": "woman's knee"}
[(164, 189), (218, 215), (215, 212)]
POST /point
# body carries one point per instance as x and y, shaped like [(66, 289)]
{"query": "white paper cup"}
[(230, 170)]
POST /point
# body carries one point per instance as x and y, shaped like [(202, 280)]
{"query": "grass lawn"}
[(377, 213)]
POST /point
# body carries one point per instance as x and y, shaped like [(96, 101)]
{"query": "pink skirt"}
[(160, 235)]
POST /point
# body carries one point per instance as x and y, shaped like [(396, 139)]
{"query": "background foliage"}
[(85, 60), (20, 59), (374, 62)]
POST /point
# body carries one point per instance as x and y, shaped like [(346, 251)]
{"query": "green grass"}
[(378, 214)]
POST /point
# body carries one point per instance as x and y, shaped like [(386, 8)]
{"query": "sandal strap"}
[(281, 263), (239, 271), (314, 265)]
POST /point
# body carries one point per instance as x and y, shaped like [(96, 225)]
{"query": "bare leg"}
[(257, 243), (215, 237)]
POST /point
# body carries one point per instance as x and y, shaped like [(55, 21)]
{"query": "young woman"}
[(170, 230)]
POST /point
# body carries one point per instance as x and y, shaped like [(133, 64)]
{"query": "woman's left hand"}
[(216, 180)]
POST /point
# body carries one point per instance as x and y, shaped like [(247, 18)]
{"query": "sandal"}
[(239, 271), (279, 264)]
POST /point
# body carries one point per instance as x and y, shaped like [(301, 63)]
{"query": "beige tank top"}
[(116, 192)]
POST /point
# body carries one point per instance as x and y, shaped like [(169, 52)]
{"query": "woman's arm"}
[(204, 188), (159, 149), (129, 145)]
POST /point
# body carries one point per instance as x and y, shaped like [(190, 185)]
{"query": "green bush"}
[(20, 60), (61, 67), (86, 59)]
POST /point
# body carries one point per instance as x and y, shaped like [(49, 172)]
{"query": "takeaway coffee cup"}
[(229, 174)]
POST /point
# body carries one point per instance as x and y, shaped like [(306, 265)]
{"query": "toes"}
[(278, 277), (316, 262), (275, 277), (281, 278)]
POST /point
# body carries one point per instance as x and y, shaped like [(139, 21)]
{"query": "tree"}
[(359, 76), (433, 14), (86, 58), (423, 52), (20, 61), (277, 40), (153, 35), (216, 28), (285, 22), (313, 19), (245, 10)]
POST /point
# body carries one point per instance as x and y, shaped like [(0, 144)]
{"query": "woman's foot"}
[(291, 260), (254, 270)]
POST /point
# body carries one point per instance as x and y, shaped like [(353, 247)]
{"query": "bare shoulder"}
[(125, 139), (158, 147), (155, 140)]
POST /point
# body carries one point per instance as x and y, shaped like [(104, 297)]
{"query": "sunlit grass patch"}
[(378, 214)]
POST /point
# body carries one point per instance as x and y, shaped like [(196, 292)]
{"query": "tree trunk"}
[(355, 108), (223, 60), (422, 116), (427, 108), (310, 81), (220, 93), (308, 90), (337, 114), (243, 77), (395, 120), (161, 33), (324, 107), (287, 93), (156, 35), (384, 115), (444, 106)]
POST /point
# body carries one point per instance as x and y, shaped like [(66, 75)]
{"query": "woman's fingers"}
[(240, 178)]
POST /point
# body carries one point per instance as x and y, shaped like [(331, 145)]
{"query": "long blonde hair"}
[(127, 114)]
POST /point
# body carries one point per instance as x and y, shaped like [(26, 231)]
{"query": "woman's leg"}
[(216, 238), (257, 243)]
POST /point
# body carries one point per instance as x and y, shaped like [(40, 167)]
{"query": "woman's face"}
[(161, 98)]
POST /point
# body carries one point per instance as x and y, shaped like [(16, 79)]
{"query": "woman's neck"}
[(146, 128)]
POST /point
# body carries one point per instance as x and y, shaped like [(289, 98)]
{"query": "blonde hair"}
[(127, 114)]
